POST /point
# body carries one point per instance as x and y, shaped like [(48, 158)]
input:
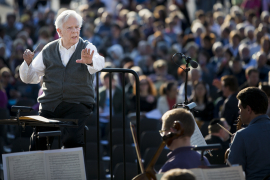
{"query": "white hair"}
[(249, 28), (218, 7), (240, 26), (197, 25), (258, 54), (216, 45), (264, 13), (243, 46), (64, 16)]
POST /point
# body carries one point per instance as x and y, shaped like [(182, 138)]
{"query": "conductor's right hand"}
[(28, 56)]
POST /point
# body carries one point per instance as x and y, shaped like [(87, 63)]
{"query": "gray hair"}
[(243, 46), (264, 13), (248, 29), (64, 16), (216, 45), (258, 54)]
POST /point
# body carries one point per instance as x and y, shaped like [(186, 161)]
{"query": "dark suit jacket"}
[(230, 111), (117, 99), (218, 155)]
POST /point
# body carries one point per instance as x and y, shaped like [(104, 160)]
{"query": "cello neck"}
[(136, 146)]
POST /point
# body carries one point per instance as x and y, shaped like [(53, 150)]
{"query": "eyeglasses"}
[(162, 132)]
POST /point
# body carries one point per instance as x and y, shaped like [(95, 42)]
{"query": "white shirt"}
[(32, 74)]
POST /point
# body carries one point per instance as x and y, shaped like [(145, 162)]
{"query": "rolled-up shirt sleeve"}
[(98, 61), (33, 73)]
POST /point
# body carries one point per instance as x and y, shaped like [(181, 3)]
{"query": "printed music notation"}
[(226, 173), (197, 137), (45, 165)]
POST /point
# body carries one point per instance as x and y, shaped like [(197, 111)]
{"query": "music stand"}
[(206, 148), (37, 121), (18, 110), (48, 134)]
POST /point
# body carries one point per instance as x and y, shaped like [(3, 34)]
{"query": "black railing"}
[(122, 71)]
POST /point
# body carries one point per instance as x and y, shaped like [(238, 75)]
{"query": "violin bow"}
[(132, 128)]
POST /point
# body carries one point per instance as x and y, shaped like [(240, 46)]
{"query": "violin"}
[(149, 173), (238, 127)]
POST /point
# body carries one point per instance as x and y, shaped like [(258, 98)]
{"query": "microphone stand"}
[(187, 69)]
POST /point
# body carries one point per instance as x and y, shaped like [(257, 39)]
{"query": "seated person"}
[(148, 94), (181, 156), (104, 100), (250, 146), (169, 97), (217, 135), (204, 110), (176, 174)]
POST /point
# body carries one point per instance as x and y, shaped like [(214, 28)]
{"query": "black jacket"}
[(218, 155)]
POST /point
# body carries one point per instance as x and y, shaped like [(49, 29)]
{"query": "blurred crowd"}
[(229, 40)]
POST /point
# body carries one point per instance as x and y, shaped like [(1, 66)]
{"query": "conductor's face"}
[(70, 32)]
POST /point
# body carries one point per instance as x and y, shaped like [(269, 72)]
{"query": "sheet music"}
[(158, 176), (197, 137), (65, 164), (25, 166), (198, 173), (228, 173), (154, 114), (38, 118)]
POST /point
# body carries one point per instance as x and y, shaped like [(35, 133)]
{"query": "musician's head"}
[(188, 125), (229, 85), (68, 25), (216, 130), (176, 174), (251, 102)]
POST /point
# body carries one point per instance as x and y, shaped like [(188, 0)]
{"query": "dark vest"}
[(72, 83)]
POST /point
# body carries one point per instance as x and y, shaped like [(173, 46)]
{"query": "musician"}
[(181, 156), (229, 90), (67, 66), (217, 135), (250, 146)]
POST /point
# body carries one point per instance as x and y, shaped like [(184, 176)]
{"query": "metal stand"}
[(48, 134), (194, 64), (206, 148)]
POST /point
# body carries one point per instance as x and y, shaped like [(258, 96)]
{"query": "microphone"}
[(193, 63)]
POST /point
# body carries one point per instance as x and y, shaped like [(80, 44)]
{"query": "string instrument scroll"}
[(149, 173), (238, 127)]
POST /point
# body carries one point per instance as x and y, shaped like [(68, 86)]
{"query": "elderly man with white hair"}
[(67, 66), (244, 53)]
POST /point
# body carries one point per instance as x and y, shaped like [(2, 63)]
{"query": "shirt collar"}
[(71, 48), (264, 116)]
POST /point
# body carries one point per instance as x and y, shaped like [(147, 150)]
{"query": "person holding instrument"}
[(250, 146), (218, 135), (67, 66), (181, 156)]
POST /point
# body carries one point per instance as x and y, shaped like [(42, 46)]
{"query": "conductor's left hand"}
[(86, 57)]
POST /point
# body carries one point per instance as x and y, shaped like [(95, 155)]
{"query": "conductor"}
[(67, 66)]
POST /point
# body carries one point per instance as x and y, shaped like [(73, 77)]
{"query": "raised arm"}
[(92, 59), (31, 70)]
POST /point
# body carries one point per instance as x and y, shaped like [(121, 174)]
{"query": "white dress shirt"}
[(32, 74)]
